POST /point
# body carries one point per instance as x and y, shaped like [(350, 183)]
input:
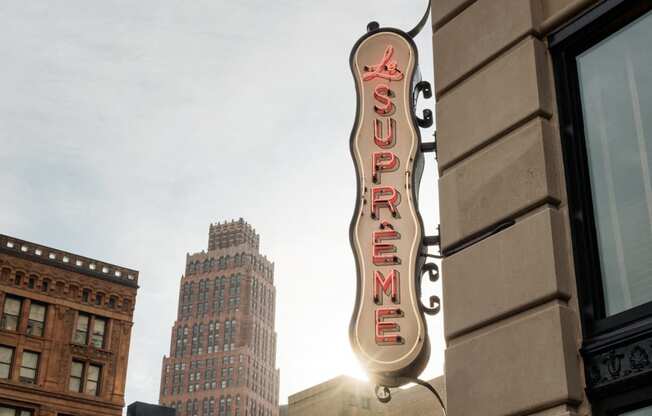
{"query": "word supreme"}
[(385, 200)]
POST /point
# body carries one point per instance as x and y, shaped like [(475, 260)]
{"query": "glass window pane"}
[(6, 354), (12, 306), (616, 93), (640, 412), (76, 369), (27, 373), (93, 373), (30, 359), (37, 312), (75, 384), (82, 322), (5, 370), (7, 411), (99, 327), (91, 387)]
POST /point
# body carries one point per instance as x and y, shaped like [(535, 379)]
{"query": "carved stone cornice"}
[(87, 351)]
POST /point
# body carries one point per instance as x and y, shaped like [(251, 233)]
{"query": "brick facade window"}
[(11, 313), (29, 367), (85, 378), (36, 319), (6, 359), (14, 411)]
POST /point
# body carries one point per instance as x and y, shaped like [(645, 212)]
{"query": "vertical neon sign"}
[(387, 330)]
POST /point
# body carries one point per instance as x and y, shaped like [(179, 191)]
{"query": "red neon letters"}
[(384, 161), (383, 327)]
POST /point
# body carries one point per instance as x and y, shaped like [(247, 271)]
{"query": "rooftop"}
[(68, 261)]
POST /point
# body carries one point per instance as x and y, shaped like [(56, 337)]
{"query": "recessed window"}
[(76, 376), (99, 328), (12, 411), (92, 380), (84, 378), (29, 367), (86, 295), (602, 62), (11, 313), (81, 331), (640, 412), (6, 358), (616, 94), (36, 320)]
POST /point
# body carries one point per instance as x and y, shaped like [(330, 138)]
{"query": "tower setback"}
[(222, 359)]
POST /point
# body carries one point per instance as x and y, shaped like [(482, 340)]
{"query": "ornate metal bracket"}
[(435, 302), (424, 88)]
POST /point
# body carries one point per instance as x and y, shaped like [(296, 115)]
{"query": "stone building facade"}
[(223, 347), (64, 332), (346, 396), (544, 137)]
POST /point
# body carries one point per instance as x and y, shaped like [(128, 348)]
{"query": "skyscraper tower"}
[(222, 358)]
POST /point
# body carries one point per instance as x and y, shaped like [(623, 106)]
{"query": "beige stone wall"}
[(510, 308), (341, 396), (344, 396), (416, 401)]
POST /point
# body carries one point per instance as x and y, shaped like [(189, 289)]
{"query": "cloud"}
[(127, 127)]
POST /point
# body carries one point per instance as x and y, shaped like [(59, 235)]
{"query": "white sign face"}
[(387, 331)]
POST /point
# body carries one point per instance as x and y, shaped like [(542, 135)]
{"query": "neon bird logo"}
[(386, 69)]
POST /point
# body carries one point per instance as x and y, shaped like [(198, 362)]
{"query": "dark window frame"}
[(34, 325), (611, 343), (27, 380)]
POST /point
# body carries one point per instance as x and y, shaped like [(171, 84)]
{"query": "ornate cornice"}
[(68, 261)]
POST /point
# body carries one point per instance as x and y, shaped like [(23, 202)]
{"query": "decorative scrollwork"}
[(620, 363), (435, 302)]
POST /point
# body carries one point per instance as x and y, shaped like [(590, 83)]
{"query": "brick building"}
[(64, 332), (223, 345)]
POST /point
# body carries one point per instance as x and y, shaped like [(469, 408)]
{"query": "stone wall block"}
[(500, 182), (511, 20), (444, 10), (528, 364), (502, 95), (522, 266)]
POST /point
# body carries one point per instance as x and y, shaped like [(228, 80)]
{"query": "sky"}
[(126, 127)]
